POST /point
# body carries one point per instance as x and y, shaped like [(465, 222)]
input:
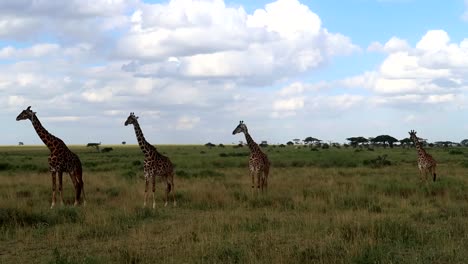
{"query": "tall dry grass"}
[(322, 206)]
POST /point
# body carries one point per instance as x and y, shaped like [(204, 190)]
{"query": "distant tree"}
[(95, 145), (445, 144), (106, 150), (325, 146), (289, 143), (464, 142), (123, 142), (355, 141), (20, 143), (282, 146), (263, 144), (296, 141), (406, 142), (310, 140), (221, 145), (210, 145), (385, 139)]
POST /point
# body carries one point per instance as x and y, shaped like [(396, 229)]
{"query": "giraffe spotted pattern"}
[(259, 165), (155, 164), (61, 159), (426, 162)]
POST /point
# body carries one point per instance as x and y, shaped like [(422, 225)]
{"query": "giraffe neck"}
[(251, 143), (45, 136), (144, 145), (419, 148)]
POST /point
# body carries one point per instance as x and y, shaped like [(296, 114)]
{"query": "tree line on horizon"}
[(378, 141)]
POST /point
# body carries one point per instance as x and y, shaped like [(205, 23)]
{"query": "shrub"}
[(5, 166), (136, 163), (104, 150), (129, 175), (455, 152), (182, 174), (378, 162)]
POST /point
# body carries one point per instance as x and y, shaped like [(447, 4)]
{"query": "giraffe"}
[(61, 159), (155, 164), (259, 165), (426, 162)]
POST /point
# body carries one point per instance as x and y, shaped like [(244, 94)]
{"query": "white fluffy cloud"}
[(187, 122), (393, 45), (211, 40), (435, 67)]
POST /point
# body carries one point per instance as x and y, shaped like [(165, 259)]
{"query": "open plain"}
[(345, 205)]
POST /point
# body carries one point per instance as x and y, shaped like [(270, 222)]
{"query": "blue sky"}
[(192, 69)]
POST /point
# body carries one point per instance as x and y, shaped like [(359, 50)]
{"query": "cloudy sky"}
[(192, 69)]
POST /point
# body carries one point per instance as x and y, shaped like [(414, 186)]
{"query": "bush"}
[(455, 152), (129, 175), (104, 150), (5, 166), (378, 162), (136, 163), (234, 154)]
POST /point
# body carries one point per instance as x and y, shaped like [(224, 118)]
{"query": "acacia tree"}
[(309, 140), (355, 141), (464, 142), (385, 139), (406, 142)]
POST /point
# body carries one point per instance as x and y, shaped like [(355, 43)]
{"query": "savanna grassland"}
[(323, 206)]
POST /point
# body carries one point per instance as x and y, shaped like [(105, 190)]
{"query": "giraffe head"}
[(131, 119), (26, 114), (413, 136), (240, 128)]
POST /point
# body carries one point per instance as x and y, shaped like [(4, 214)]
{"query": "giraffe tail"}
[(266, 171), (434, 179)]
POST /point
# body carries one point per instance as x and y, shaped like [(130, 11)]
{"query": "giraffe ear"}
[(34, 113), (136, 117), (29, 107)]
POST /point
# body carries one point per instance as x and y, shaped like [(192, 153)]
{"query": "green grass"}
[(323, 206)]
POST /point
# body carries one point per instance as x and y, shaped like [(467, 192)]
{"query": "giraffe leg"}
[(253, 182), (79, 185), (168, 190), (60, 188), (153, 181), (258, 180), (262, 181), (146, 190), (434, 174), (76, 186), (82, 190), (53, 189)]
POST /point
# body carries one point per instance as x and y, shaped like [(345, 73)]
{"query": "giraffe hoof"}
[(165, 205), (175, 204), (52, 206), (154, 205)]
